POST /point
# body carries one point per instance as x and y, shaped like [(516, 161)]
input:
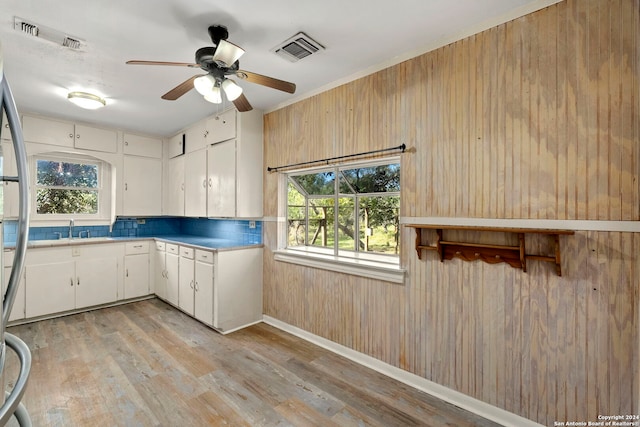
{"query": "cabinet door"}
[(195, 137), (176, 145), (137, 145), (136, 275), (17, 312), (142, 186), (96, 139), (222, 127), (10, 189), (186, 285), (174, 200), (44, 131), (5, 132), (203, 304), (172, 278), (221, 198), (159, 274), (96, 281), (195, 184), (50, 288), (237, 289)]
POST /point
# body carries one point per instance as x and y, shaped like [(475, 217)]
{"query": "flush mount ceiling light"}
[(86, 100)]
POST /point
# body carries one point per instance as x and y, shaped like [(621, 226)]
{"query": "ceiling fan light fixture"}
[(231, 89), (86, 100), (227, 53), (204, 84), (215, 96)]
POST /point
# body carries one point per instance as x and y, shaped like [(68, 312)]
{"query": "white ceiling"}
[(360, 36)]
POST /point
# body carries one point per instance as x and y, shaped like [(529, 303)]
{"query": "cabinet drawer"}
[(160, 246), (204, 256), (132, 248), (172, 249), (186, 252)]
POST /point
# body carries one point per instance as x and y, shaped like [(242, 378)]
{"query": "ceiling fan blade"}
[(177, 64), (266, 81), (242, 104), (181, 89)]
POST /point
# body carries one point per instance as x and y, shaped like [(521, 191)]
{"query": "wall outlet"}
[(252, 224)]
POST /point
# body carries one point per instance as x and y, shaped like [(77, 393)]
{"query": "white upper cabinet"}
[(54, 132), (5, 132), (176, 145), (221, 197), (142, 186), (222, 127), (174, 187), (90, 138), (137, 145), (195, 184), (195, 137)]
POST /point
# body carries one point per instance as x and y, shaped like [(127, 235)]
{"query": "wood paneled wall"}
[(537, 118)]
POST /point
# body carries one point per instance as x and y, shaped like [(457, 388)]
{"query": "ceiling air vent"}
[(45, 33), (297, 47)]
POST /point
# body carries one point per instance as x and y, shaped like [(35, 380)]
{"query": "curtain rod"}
[(402, 147)]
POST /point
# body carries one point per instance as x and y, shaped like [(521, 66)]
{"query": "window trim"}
[(103, 188), (370, 265)]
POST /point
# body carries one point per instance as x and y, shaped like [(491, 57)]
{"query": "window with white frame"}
[(70, 186), (349, 210)]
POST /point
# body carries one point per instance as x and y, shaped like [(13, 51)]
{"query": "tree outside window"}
[(66, 187), (360, 207)]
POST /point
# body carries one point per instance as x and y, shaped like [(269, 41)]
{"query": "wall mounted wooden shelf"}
[(515, 255)]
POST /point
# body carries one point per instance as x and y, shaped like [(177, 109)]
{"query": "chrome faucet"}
[(71, 228)]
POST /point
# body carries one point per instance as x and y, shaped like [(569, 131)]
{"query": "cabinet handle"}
[(137, 246), (204, 183), (70, 135), (72, 281), (126, 143), (78, 136), (197, 289), (126, 274), (191, 284), (182, 186), (210, 182), (78, 281), (6, 125), (125, 186)]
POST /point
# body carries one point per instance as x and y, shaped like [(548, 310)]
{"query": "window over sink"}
[(67, 186)]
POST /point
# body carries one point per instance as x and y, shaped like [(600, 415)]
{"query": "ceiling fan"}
[(219, 61)]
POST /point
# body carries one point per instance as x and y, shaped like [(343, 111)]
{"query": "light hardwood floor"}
[(148, 364)]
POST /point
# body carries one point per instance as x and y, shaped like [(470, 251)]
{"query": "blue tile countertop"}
[(217, 234), (195, 241)]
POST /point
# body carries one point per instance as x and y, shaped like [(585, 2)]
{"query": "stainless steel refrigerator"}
[(10, 400)]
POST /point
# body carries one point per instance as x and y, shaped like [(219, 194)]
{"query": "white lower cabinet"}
[(68, 278), (222, 289), (136, 269), (17, 311), (237, 288), (204, 282), (186, 281), (172, 259), (160, 270)]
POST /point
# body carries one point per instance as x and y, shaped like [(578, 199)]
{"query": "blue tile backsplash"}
[(237, 231)]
